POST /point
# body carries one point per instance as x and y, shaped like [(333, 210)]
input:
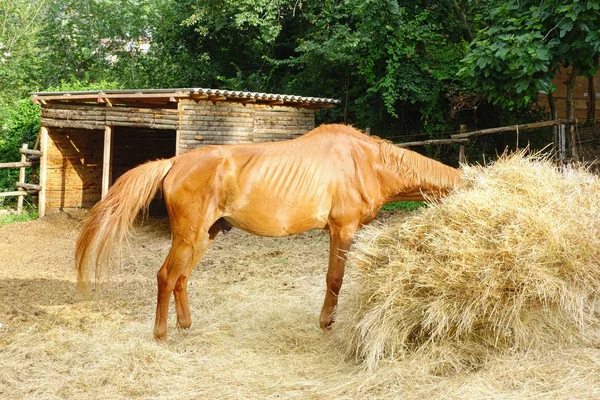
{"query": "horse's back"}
[(270, 189)]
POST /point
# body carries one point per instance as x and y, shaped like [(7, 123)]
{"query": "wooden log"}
[(25, 150), (509, 128), (432, 142), (213, 125), (198, 119), (141, 110), (70, 106), (10, 194), (217, 109), (102, 109), (138, 118), (144, 125), (29, 186), (43, 171), (146, 115), (22, 178), (106, 160), (18, 164), (178, 131), (71, 124)]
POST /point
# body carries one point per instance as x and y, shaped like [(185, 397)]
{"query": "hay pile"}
[(509, 262)]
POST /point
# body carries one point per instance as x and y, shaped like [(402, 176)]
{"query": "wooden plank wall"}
[(97, 117), (74, 168), (281, 123), (76, 133), (204, 123), (580, 95)]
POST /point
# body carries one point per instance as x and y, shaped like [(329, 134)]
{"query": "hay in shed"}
[(507, 263)]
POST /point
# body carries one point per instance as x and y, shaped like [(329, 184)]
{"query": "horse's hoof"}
[(327, 331), (160, 337)]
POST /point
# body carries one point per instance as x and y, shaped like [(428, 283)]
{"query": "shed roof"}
[(170, 97)]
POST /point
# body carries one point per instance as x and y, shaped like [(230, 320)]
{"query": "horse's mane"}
[(423, 170)]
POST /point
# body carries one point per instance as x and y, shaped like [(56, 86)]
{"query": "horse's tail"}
[(114, 215)]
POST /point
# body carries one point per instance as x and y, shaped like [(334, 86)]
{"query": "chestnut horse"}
[(334, 178)]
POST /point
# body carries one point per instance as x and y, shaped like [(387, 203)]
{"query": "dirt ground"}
[(255, 304)]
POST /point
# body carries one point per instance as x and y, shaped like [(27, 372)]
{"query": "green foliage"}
[(19, 123), (523, 42), (94, 40), (393, 63), (404, 206), (19, 47), (391, 59), (28, 214)]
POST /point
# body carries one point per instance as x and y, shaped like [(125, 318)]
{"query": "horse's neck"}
[(409, 173)]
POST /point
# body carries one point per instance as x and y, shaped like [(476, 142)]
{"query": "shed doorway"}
[(134, 146)]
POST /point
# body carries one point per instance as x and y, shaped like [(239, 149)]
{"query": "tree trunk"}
[(591, 105), (571, 112), (463, 20), (552, 106), (554, 116)]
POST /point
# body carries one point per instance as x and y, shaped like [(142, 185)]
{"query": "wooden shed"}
[(89, 139)]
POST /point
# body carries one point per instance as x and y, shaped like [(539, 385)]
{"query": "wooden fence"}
[(29, 158), (463, 138)]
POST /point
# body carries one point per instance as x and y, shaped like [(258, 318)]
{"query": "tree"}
[(19, 28), (93, 40), (524, 42)]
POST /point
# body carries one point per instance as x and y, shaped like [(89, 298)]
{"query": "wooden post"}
[(106, 161), (21, 180), (562, 143), (368, 131), (573, 142), (178, 131), (462, 159), (43, 171)]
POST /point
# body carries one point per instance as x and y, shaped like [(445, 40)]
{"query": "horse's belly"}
[(278, 220)]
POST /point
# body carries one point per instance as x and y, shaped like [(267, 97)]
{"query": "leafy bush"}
[(19, 123)]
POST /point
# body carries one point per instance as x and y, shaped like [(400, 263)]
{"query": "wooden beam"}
[(107, 158), (178, 131), (433, 141), (44, 137), (99, 97), (462, 158), (214, 98), (29, 186), (18, 164), (511, 128), (22, 178), (10, 194), (25, 150)]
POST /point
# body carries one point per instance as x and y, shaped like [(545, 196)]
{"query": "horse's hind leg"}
[(186, 252), (182, 307)]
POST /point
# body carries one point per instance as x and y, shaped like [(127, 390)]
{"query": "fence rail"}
[(464, 137), (23, 188)]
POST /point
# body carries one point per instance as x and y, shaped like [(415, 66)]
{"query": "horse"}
[(334, 178)]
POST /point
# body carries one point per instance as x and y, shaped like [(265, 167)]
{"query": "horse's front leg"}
[(340, 241)]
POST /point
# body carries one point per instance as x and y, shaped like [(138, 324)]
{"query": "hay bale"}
[(508, 262)]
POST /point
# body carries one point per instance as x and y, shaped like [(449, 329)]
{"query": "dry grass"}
[(255, 305), (510, 263)]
